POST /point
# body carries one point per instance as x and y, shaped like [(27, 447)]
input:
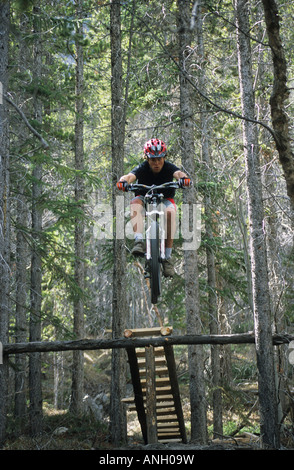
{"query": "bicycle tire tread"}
[(155, 283)]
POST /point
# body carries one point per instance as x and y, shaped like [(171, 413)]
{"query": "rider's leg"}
[(137, 217), (137, 220), (170, 214)]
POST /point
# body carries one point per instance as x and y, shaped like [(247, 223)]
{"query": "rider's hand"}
[(185, 182), (122, 185)]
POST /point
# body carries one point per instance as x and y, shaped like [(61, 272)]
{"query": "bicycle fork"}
[(155, 216)]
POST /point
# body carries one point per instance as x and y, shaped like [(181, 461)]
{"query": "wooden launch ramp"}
[(156, 390)]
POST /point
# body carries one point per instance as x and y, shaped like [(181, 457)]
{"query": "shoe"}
[(168, 268), (138, 248)]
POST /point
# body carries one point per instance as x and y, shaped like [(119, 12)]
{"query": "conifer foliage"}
[(83, 86)]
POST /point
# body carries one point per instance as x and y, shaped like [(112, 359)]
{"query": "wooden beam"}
[(92, 344), (155, 331), (138, 394)]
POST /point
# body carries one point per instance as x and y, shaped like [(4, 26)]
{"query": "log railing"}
[(92, 344)]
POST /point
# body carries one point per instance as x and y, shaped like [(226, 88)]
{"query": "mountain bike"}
[(154, 233)]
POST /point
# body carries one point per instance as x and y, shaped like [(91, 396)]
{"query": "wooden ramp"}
[(156, 391)]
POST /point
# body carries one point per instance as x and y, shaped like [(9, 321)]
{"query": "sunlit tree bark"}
[(119, 306)]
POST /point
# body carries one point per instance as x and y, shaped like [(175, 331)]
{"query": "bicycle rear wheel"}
[(155, 281)]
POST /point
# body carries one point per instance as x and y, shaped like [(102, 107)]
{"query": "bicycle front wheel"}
[(155, 281)]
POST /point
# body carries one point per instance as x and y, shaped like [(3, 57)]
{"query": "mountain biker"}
[(155, 170)]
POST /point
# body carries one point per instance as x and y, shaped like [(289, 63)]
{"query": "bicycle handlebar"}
[(170, 184)]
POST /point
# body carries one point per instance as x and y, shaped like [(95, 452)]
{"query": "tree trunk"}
[(280, 120), (210, 248), (22, 257), (196, 367), (119, 308), (280, 95), (35, 377), (77, 394), (21, 304), (261, 295), (4, 212)]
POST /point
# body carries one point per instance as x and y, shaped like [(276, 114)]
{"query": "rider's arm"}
[(129, 178), (179, 174)]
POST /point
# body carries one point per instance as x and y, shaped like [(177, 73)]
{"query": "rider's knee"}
[(137, 208), (136, 202)]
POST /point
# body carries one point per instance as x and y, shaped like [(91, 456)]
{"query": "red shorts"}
[(170, 199), (167, 202)]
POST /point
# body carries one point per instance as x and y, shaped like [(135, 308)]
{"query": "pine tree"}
[(259, 268), (78, 356), (196, 379), (35, 373), (119, 307), (4, 212)]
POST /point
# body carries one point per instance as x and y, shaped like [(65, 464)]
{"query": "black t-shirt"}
[(145, 175)]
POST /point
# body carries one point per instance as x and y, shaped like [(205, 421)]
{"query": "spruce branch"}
[(32, 129)]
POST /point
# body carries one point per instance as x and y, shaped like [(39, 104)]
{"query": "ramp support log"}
[(138, 393)]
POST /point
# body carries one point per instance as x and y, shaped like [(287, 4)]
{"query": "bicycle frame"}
[(154, 212)]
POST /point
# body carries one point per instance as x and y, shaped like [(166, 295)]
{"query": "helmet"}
[(155, 148)]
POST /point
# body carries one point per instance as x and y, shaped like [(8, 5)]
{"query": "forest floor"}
[(62, 431)]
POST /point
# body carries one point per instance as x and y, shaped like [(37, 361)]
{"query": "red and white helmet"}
[(155, 148)]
